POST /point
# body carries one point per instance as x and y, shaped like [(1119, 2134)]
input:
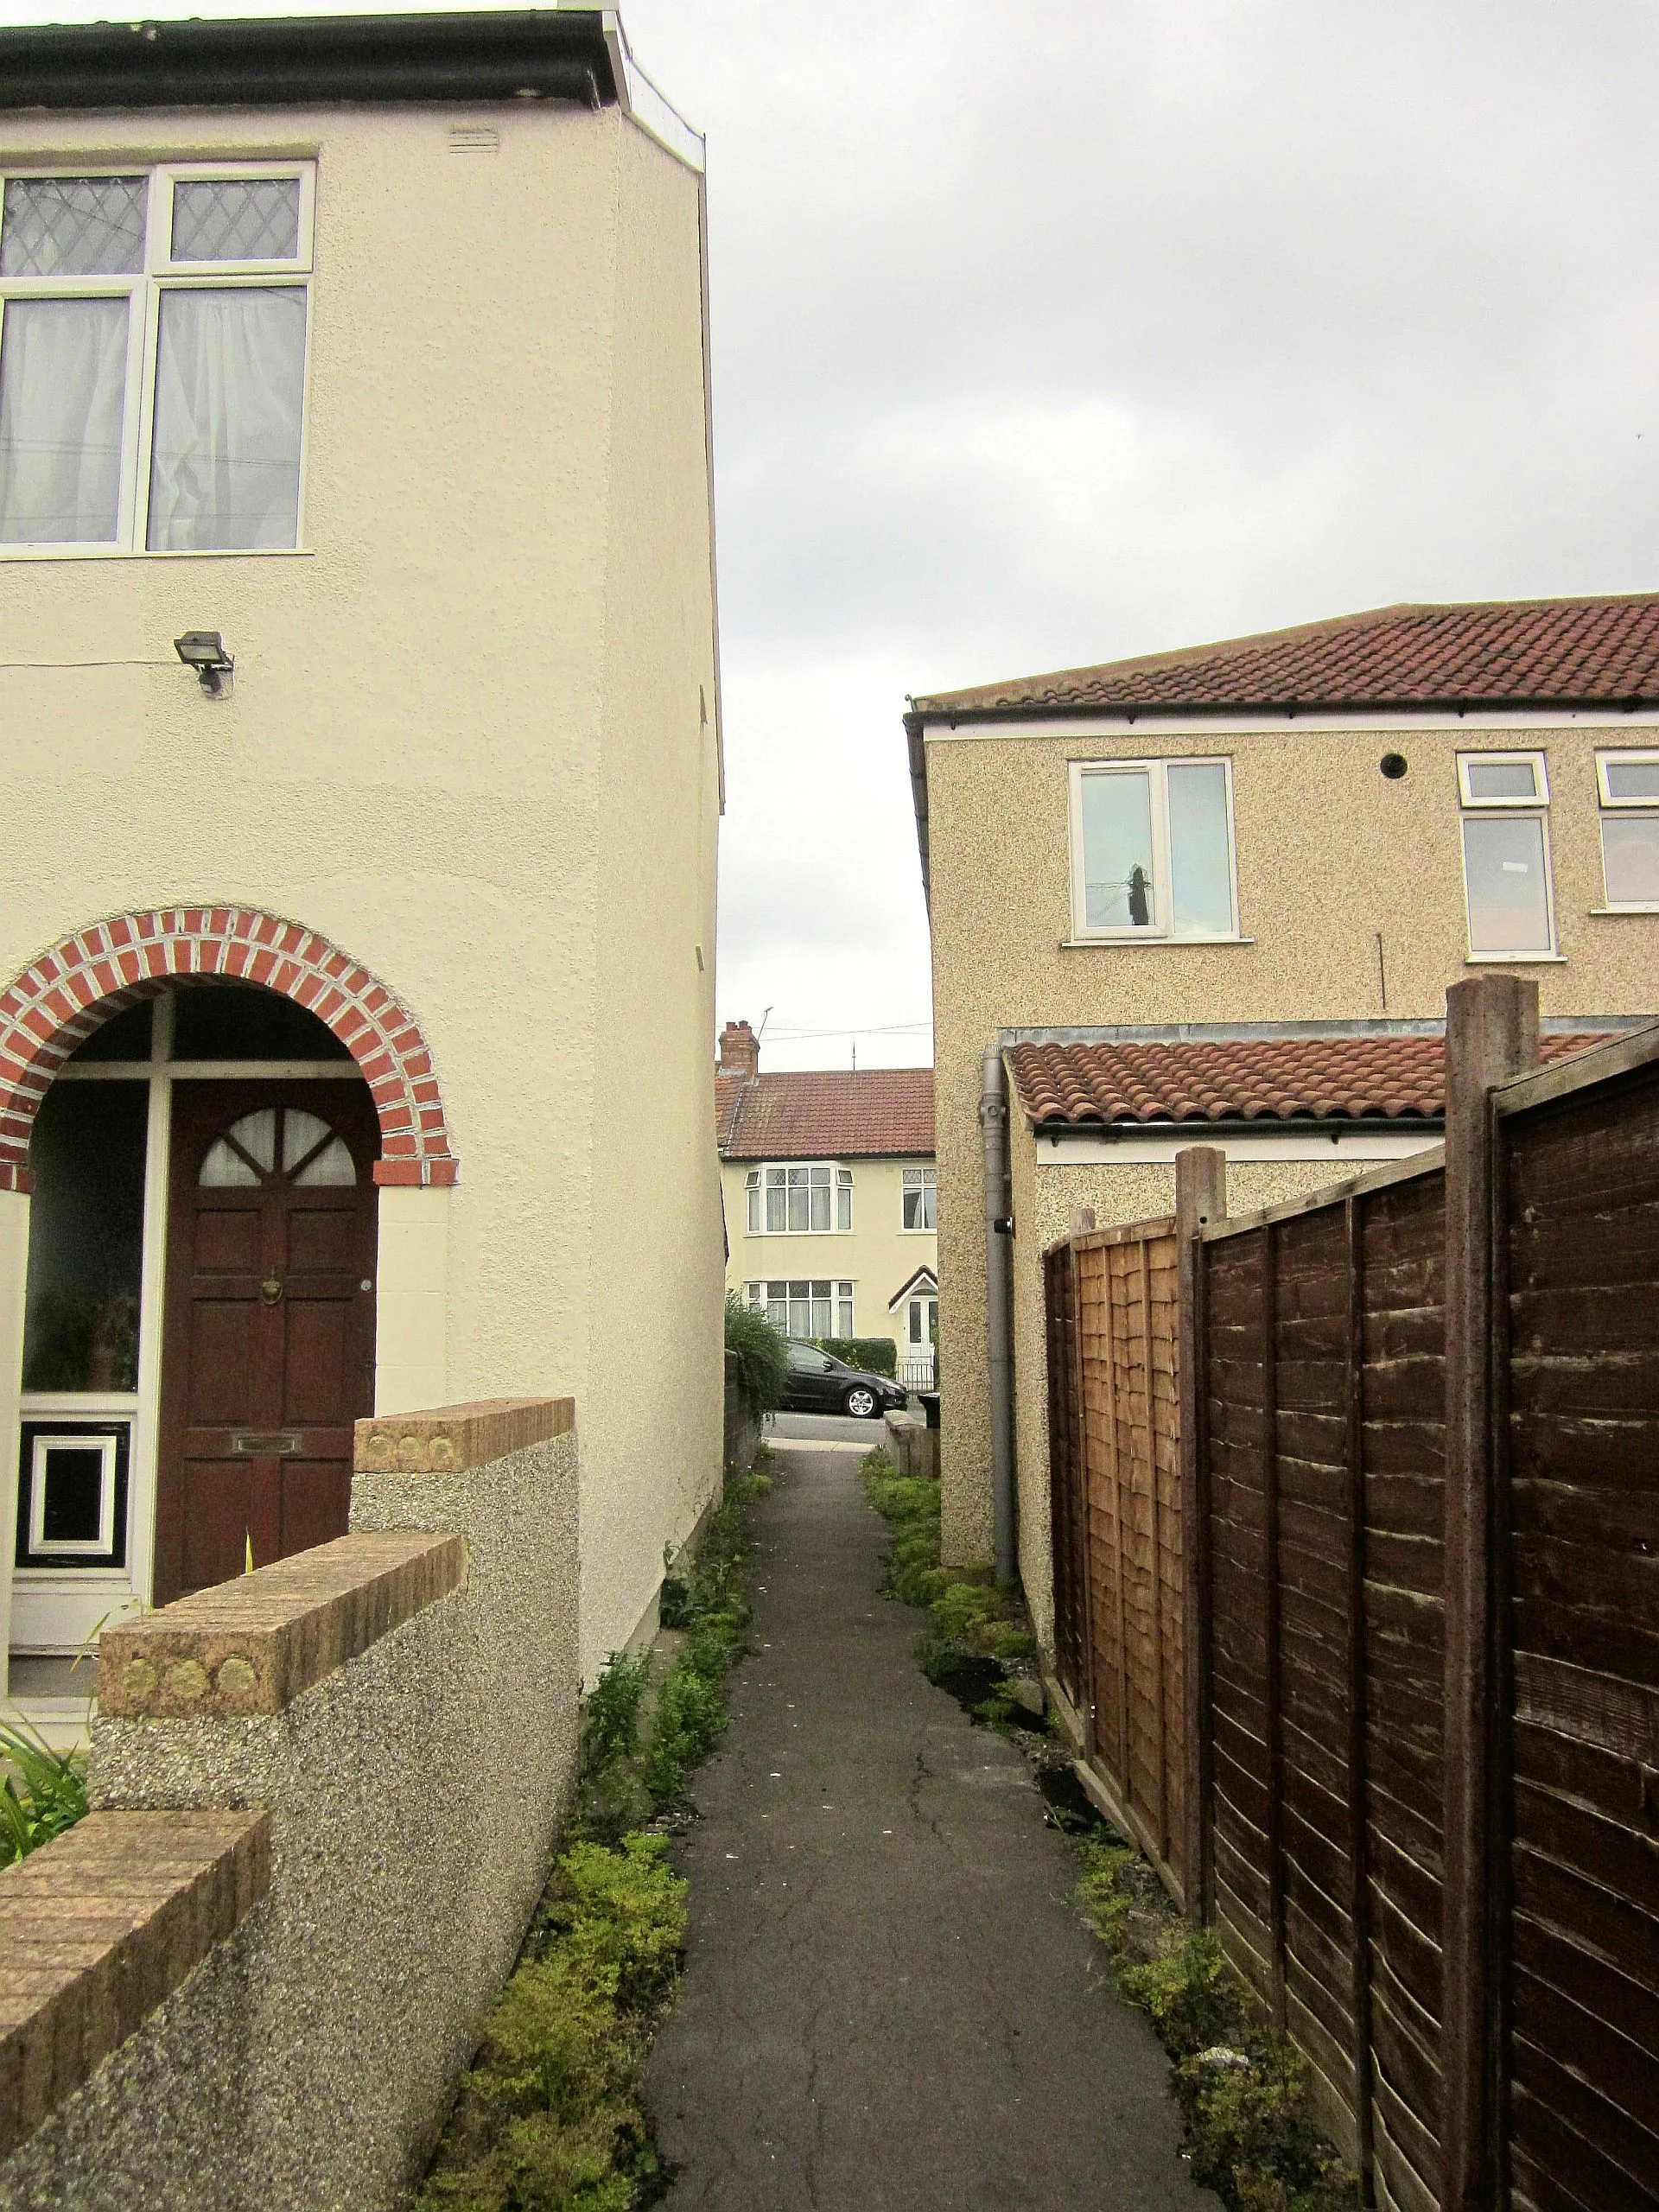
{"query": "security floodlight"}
[(204, 651)]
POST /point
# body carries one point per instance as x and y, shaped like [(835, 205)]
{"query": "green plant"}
[(1243, 2090), (870, 1355), (44, 1794), (549, 2119), (762, 1354), (969, 1617)]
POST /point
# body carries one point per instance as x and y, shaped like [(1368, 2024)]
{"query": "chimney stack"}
[(739, 1051)]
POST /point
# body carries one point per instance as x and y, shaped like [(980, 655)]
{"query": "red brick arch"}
[(62, 996)]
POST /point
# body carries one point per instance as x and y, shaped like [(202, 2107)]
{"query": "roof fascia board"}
[(265, 62), (1072, 724), (1157, 1143), (643, 105)]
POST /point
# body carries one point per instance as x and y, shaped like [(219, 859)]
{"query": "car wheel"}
[(860, 1401)]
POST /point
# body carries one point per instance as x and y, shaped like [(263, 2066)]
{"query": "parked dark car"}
[(818, 1384)]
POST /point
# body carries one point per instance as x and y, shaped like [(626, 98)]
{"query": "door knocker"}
[(271, 1289)]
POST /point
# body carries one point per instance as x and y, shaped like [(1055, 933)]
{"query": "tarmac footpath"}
[(890, 2003)]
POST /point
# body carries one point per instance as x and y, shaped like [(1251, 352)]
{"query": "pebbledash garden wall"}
[(324, 1796)]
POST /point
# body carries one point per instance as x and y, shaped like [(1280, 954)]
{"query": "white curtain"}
[(63, 373), (224, 465)]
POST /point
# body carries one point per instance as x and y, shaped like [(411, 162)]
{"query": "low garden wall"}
[(346, 1772), (744, 1433)]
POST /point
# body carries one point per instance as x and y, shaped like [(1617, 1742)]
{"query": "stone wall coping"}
[(100, 1925), (254, 1644), (449, 1438)]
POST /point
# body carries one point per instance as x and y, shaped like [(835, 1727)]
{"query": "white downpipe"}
[(998, 1346)]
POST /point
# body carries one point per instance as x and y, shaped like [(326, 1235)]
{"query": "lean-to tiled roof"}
[(825, 1114), (1268, 1078), (1533, 652)]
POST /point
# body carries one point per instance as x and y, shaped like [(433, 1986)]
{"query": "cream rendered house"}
[(830, 1191), (356, 636), (1217, 896)]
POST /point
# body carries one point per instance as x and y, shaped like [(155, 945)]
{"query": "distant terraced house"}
[(1217, 895), (830, 1191)]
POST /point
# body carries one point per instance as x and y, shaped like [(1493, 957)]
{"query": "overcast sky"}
[(1047, 334)]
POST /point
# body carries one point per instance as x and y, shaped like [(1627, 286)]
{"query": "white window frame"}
[(142, 288), (40, 1545), (842, 1295), (1155, 768), (1538, 799), (1634, 756), (1537, 808), (929, 1179), (756, 1186)]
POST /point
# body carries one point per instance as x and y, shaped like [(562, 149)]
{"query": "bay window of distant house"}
[(1627, 784), (1505, 800), (807, 1198), (805, 1309), (920, 1197), (1152, 851), (152, 358)]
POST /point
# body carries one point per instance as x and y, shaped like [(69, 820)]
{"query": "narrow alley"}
[(890, 2002)]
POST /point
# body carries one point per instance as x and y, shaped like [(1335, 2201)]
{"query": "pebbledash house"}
[(359, 730)]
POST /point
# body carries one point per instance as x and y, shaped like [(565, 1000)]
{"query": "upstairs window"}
[(1628, 786), (1152, 849), (152, 358), (920, 1198), (810, 1198), (1505, 798)]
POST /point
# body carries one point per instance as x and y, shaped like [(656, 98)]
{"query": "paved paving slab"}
[(890, 2003)]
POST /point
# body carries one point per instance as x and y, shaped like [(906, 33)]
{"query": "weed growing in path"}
[(1243, 2088), (971, 1621), (549, 2119)]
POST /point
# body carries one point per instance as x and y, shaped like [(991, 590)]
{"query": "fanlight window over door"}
[(310, 1153)]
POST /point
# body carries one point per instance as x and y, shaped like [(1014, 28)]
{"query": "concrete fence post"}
[(1491, 1036), (1200, 1197)]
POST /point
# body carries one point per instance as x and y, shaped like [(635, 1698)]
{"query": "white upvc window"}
[(920, 1198), (1506, 877), (1627, 784), (809, 1198), (153, 326), (805, 1308), (1152, 849)]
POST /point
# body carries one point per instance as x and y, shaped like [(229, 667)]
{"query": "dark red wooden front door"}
[(267, 1354)]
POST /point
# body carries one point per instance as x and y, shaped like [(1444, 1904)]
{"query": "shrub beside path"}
[(891, 2003)]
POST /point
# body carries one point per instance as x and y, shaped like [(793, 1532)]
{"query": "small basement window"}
[(1627, 784), (1506, 880)]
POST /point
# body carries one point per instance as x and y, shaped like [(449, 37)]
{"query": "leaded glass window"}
[(236, 219), (72, 226), (202, 452)]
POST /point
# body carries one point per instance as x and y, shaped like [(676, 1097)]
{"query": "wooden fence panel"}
[(1065, 1474), (1580, 1434), (1320, 1478), (1402, 1465), (1118, 1565)]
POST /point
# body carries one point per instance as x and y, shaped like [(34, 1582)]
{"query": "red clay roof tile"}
[(826, 1113), (1269, 1078), (1579, 652)]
